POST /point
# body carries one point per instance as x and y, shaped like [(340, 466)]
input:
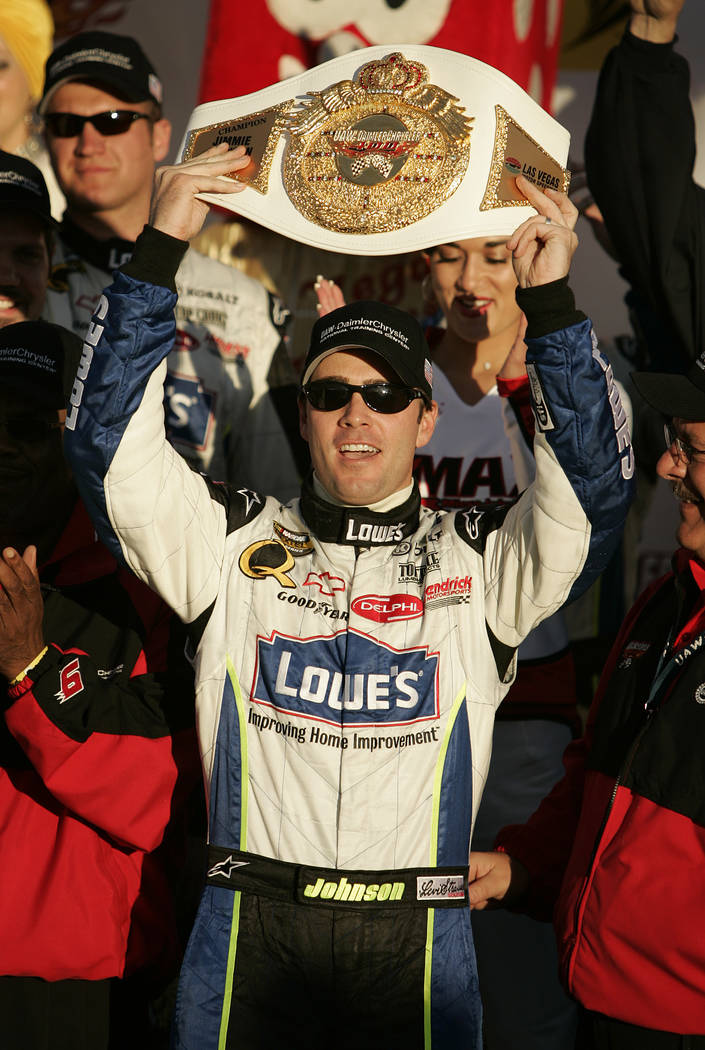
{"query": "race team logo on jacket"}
[(299, 676)]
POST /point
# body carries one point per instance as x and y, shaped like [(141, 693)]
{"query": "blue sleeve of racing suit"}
[(581, 419), (110, 383)]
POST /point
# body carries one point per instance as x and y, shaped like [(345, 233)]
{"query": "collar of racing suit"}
[(358, 526), (107, 255)]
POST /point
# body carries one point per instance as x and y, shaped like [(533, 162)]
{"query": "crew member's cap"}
[(39, 360), (116, 61), (393, 334), (22, 187), (675, 395)]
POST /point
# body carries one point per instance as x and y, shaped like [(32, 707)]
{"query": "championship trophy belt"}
[(385, 150)]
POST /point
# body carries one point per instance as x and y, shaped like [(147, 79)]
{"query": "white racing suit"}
[(228, 370), (345, 703)]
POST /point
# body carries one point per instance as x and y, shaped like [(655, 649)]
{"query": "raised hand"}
[(329, 295), (175, 208), (655, 20), (21, 611), (543, 246)]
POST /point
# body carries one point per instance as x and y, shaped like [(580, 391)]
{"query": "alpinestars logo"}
[(251, 498), (225, 868), (472, 522)]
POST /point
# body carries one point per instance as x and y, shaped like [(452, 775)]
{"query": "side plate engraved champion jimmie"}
[(258, 133), (378, 153), (516, 153)]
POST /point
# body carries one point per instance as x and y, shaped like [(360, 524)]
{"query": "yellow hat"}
[(27, 28)]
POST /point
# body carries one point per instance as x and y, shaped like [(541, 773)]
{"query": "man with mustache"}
[(616, 851)]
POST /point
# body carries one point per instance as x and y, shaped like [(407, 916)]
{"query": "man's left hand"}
[(21, 611), (543, 246)]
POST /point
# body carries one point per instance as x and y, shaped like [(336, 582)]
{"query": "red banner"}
[(254, 44)]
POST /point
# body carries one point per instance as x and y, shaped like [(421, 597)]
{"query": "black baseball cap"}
[(103, 58), (675, 395), (22, 187), (396, 336), (38, 360)]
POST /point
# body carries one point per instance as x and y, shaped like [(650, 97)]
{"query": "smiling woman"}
[(474, 283)]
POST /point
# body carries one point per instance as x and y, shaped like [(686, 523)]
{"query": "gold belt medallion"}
[(378, 153)]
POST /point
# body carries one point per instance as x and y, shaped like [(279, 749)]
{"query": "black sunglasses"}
[(326, 395), (112, 122)]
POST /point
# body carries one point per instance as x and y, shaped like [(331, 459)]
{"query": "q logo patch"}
[(267, 558)]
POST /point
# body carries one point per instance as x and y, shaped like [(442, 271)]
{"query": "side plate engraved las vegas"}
[(378, 153), (516, 153)]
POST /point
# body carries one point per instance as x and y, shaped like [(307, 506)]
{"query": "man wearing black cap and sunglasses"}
[(26, 239), (229, 393), (616, 851), (351, 647), (90, 747)]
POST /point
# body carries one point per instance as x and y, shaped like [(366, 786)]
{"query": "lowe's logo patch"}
[(347, 678)]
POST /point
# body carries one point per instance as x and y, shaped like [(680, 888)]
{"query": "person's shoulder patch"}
[(475, 524)]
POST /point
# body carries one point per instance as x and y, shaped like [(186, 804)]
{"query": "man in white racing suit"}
[(345, 709), (229, 379)]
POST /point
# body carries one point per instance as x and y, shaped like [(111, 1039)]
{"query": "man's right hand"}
[(495, 878), (21, 611), (655, 20), (176, 209)]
